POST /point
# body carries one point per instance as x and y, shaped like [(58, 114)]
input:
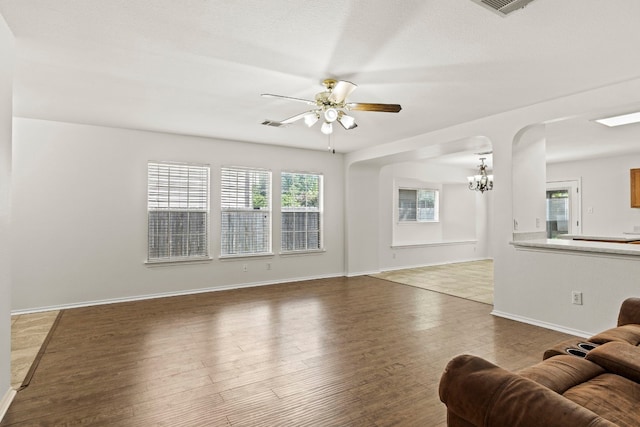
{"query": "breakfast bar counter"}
[(605, 245)]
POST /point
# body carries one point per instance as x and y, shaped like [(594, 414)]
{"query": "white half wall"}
[(80, 214), (6, 113)]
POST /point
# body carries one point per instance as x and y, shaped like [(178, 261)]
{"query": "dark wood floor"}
[(337, 352)]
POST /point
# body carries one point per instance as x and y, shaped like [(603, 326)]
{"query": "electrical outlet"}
[(245, 267), (576, 297), (268, 266), (537, 222)]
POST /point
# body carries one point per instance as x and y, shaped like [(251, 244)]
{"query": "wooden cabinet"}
[(635, 188)]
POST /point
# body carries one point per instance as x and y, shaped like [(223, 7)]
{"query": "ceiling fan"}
[(331, 106)]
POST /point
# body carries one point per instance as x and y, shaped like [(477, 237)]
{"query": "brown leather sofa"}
[(599, 385)]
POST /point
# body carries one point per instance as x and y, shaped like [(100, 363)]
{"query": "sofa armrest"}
[(629, 312), (618, 358), (479, 393)]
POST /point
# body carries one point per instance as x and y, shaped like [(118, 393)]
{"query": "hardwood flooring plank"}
[(354, 351)]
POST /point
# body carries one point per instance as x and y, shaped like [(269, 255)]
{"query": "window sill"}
[(430, 244), (306, 252), (163, 263), (404, 223), (239, 256)]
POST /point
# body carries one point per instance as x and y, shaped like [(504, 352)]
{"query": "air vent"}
[(503, 7)]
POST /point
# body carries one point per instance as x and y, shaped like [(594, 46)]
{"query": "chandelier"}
[(481, 182)]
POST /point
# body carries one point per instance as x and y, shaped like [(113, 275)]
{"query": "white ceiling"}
[(198, 67)]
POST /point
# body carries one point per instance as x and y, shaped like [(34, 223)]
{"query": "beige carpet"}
[(469, 280)]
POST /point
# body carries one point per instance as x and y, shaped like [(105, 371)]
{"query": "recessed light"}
[(623, 119)]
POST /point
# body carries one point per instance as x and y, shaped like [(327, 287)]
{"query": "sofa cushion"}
[(618, 358), (562, 372), (626, 333), (613, 397), (483, 394)]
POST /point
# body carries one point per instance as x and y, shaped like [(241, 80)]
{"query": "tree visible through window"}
[(418, 205), (301, 211), (246, 211), (178, 211)]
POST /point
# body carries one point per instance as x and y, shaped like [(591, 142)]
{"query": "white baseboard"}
[(169, 294), (6, 401), (534, 322), (362, 273)]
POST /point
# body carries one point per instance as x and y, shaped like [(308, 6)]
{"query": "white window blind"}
[(246, 211), (178, 211), (301, 211), (418, 205)]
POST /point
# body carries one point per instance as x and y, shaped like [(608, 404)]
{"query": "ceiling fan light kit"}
[(331, 106), (347, 122), (310, 119)]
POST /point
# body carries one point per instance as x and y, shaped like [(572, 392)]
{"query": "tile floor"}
[(28, 332), (469, 280)]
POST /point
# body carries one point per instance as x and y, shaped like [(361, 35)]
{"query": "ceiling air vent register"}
[(503, 7)]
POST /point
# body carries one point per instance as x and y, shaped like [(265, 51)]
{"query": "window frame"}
[(291, 209), (205, 208), (415, 218), (224, 210)]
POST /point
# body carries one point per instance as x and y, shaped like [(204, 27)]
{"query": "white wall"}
[(605, 189), (529, 180), (362, 230), (460, 235), (6, 99), (80, 214), (542, 297)]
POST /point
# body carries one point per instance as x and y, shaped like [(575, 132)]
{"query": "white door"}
[(563, 208)]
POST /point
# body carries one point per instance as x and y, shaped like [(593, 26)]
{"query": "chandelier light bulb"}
[(481, 182)]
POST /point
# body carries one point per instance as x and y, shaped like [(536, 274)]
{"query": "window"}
[(177, 211), (418, 205), (246, 212), (301, 214)]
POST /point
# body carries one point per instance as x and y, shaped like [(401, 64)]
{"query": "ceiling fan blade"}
[(290, 98), (341, 91), (383, 108), (297, 117), (290, 120)]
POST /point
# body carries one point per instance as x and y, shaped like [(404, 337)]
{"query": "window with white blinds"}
[(418, 205), (246, 211), (301, 195), (178, 211)]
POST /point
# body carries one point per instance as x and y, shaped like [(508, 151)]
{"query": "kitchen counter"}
[(608, 247), (622, 238)]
